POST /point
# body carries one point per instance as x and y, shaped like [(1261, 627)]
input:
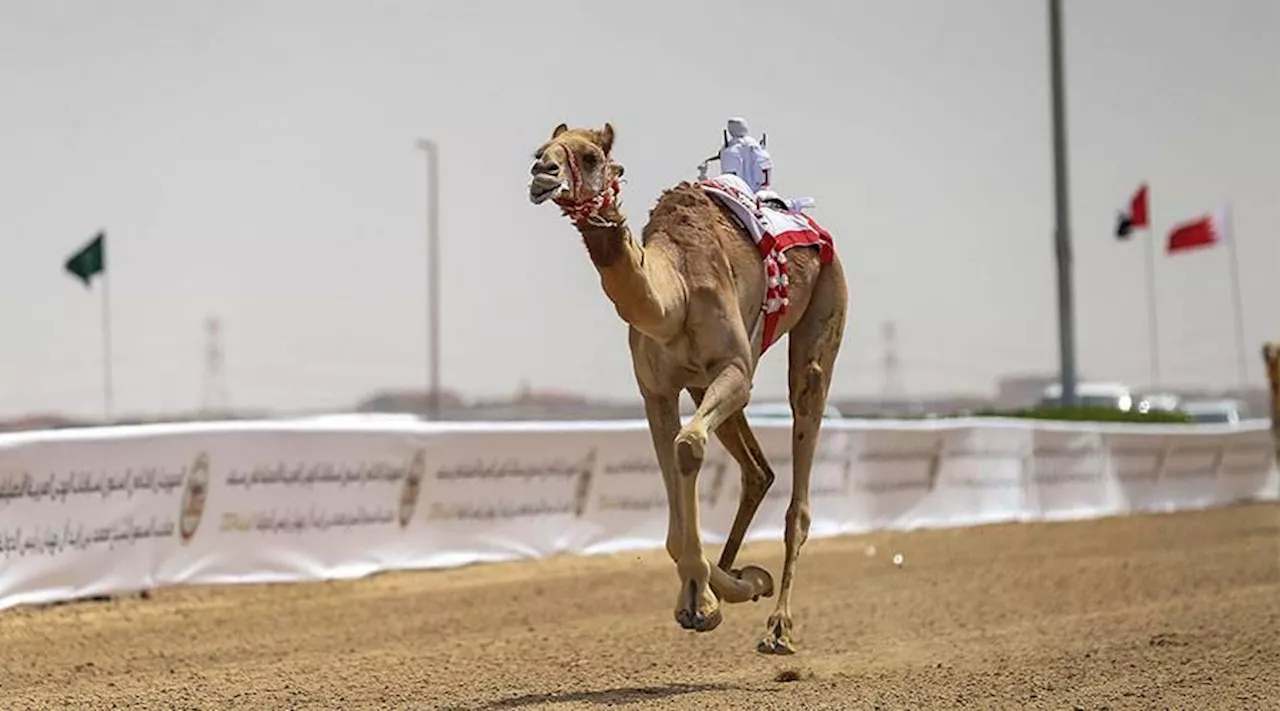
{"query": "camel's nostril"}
[(543, 167)]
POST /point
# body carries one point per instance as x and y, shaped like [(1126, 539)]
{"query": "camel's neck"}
[(638, 284)]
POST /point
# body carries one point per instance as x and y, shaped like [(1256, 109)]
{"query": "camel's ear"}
[(606, 138), (559, 130)]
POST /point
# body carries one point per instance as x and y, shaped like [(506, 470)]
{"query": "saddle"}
[(774, 231)]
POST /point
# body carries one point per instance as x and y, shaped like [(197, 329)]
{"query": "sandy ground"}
[(1170, 611)]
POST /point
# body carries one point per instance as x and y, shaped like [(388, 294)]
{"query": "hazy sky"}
[(256, 161)]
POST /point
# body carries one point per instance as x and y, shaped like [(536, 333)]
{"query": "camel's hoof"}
[(759, 578), (778, 641), (773, 645), (697, 621)]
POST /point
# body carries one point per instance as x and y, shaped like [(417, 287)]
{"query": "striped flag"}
[(1202, 232)]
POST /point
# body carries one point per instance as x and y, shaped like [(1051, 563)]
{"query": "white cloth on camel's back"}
[(758, 220), (747, 159)]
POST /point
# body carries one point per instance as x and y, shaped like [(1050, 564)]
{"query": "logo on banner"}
[(935, 461), (412, 485), (194, 495), (582, 494)]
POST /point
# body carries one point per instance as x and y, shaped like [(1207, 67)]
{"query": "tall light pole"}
[(1062, 231), (431, 148)]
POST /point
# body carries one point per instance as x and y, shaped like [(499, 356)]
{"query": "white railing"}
[(111, 510)]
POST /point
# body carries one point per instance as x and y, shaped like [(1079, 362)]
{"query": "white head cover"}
[(738, 127)]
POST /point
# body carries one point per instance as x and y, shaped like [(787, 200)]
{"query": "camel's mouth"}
[(545, 187)]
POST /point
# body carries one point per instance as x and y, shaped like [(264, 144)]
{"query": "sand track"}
[(1171, 611)]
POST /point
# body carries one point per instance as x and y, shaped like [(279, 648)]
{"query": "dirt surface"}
[(1169, 611)]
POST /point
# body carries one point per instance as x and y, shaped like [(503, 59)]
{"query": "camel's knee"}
[(691, 448), (807, 390)]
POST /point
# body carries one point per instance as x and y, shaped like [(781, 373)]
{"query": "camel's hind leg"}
[(814, 343)]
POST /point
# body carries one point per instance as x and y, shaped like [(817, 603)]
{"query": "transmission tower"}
[(891, 386), (215, 398)]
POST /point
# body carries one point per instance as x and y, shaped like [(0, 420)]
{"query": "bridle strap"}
[(575, 174), (586, 211)]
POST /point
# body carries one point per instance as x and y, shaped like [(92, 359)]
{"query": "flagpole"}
[(432, 150), (1238, 297), (1153, 323), (106, 340)]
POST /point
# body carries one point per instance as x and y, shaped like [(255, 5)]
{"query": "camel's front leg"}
[(663, 413), (697, 606)]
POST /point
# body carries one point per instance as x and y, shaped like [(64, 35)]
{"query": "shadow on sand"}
[(603, 697)]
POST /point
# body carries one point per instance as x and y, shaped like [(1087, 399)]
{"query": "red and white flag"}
[(1135, 216), (1202, 232)]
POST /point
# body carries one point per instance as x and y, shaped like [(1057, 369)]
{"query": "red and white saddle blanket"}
[(774, 232)]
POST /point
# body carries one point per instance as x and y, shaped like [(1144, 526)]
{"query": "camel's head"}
[(575, 170)]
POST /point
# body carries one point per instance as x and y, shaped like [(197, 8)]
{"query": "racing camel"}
[(712, 283)]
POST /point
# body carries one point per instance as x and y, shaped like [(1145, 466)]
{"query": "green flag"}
[(90, 260)]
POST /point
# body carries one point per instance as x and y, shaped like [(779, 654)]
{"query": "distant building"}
[(408, 401), (36, 422)]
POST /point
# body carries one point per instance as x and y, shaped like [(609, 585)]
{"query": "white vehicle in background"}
[(1116, 396), (1225, 411), (1159, 402), (782, 411)]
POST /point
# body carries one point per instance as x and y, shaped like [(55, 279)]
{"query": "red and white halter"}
[(585, 210)]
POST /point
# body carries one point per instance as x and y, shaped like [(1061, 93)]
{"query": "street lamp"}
[(431, 148), (1062, 211)]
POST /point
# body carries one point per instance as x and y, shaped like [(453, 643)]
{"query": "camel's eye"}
[(590, 161)]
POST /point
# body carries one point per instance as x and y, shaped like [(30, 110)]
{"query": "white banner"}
[(112, 510)]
